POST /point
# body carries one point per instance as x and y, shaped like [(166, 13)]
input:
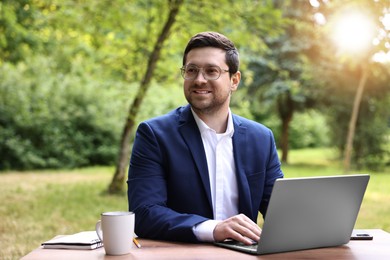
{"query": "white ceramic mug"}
[(116, 230)]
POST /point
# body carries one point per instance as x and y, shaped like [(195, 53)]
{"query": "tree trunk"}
[(353, 120), (286, 111), (284, 139), (118, 179)]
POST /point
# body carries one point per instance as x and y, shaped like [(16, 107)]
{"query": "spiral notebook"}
[(83, 240)]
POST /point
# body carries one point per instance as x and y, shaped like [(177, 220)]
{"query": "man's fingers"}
[(240, 228), (249, 224)]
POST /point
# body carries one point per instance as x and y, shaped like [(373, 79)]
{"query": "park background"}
[(76, 78)]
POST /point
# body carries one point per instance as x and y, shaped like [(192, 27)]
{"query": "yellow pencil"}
[(136, 243)]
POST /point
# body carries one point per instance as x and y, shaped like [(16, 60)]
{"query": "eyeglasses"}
[(190, 72)]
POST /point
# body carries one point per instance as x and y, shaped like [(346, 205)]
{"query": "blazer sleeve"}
[(148, 194), (273, 172)]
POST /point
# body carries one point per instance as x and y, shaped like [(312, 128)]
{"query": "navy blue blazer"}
[(168, 182)]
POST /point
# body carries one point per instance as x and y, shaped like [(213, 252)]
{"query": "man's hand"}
[(239, 227)]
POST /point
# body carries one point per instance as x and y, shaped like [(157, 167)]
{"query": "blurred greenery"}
[(70, 69)]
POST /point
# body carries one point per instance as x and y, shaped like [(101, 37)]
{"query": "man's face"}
[(209, 96)]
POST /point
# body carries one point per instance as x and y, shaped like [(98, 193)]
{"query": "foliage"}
[(370, 150), (17, 21), (300, 71), (308, 129), (69, 68), (51, 120), (280, 77), (338, 75)]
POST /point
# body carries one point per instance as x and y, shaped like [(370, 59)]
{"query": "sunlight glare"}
[(314, 3), (381, 57), (320, 18), (386, 21), (354, 32)]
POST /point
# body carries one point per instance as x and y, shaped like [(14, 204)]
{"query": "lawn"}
[(36, 206), (39, 205)]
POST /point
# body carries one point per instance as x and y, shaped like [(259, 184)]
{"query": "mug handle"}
[(98, 229)]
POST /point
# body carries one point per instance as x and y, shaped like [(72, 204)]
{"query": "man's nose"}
[(200, 77)]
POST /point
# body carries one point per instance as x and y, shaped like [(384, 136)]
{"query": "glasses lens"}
[(190, 72), (212, 72), (209, 72)]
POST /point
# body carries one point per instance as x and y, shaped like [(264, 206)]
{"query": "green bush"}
[(371, 141), (371, 138), (308, 129), (52, 120)]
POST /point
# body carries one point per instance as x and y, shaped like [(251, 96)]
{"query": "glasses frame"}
[(183, 71)]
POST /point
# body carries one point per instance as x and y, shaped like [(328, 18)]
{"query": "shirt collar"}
[(204, 127)]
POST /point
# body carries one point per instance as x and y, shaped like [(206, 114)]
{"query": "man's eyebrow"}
[(206, 65)]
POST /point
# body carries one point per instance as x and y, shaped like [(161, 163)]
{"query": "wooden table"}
[(378, 248)]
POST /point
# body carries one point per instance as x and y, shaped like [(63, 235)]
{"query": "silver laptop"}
[(311, 212)]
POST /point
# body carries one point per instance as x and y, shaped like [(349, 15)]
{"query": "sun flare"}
[(354, 32)]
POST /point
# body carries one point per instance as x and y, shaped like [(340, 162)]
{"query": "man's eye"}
[(192, 70), (211, 70)]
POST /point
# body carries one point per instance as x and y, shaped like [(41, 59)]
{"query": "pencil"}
[(136, 243)]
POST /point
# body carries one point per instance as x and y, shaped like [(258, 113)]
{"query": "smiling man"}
[(201, 173)]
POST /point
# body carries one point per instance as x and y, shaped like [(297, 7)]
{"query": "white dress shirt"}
[(223, 182)]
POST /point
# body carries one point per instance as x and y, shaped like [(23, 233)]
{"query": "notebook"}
[(306, 213), (81, 240)]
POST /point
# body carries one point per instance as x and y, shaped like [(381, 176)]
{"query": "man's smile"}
[(202, 91)]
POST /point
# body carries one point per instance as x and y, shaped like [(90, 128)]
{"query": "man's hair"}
[(217, 40)]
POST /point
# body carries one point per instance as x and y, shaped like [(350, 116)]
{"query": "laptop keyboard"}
[(237, 244)]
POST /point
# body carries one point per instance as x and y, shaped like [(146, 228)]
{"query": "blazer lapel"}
[(190, 132), (240, 156)]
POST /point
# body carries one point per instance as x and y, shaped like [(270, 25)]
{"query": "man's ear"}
[(235, 81)]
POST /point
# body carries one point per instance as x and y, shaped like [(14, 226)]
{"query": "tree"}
[(281, 77), (361, 20), (359, 29), (124, 151), (208, 22), (17, 22)]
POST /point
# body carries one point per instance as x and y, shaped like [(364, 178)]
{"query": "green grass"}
[(36, 206)]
